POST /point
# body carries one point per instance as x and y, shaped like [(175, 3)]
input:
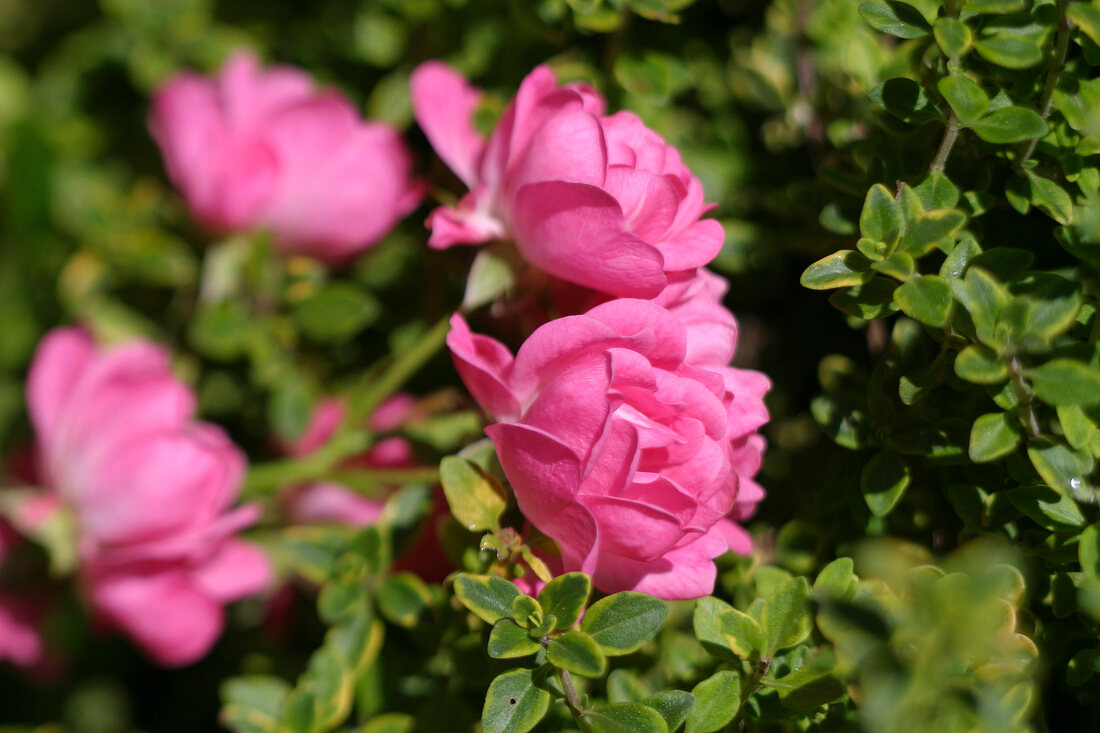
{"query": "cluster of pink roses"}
[(624, 432)]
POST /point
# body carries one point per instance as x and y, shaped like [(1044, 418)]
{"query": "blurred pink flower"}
[(597, 200), (150, 490), (616, 446), (327, 501), (253, 148), (332, 502)]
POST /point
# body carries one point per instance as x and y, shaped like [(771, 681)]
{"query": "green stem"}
[(752, 684), (366, 401), (365, 480), (1057, 62), (573, 700), (950, 135), (265, 478), (1024, 399)]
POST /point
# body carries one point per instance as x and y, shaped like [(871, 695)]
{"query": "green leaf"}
[(1014, 42), (1010, 125), (717, 700), (1059, 466), (402, 598), (490, 276), (899, 266), (565, 597), (841, 269), (936, 191), (808, 688), (994, 436), (290, 406), (389, 723), (986, 299), (960, 257), (221, 330), (338, 600), (707, 628), (336, 312), (905, 99), (953, 36), (837, 579), (966, 97), (848, 428), (623, 685), (476, 499), (784, 618), (622, 622), (577, 652), (525, 607), (880, 219), (894, 17), (1088, 552), (995, 6), (625, 717), (1050, 198), (1065, 382), (874, 299), (489, 597), (1047, 508), (311, 551), (1080, 429), (513, 703), (1086, 16), (508, 640), (883, 481), (978, 364), (673, 705), (252, 704), (1054, 303), (926, 299), (741, 633)]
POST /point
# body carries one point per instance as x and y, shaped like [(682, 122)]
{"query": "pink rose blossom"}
[(616, 446), (254, 148), (150, 489), (597, 200)]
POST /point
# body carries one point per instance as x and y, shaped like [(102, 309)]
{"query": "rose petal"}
[(576, 231), (484, 365), (444, 103)]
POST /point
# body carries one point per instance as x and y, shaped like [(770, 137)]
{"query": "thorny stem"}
[(573, 700), (1057, 61), (950, 135), (1016, 373)]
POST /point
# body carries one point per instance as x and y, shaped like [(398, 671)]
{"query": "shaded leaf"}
[(883, 481), (1010, 125), (994, 436)]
